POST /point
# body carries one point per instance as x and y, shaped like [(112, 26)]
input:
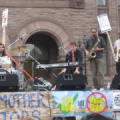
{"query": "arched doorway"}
[(44, 50), (52, 35)]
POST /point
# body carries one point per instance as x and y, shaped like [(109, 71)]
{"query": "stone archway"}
[(56, 31), (44, 50)]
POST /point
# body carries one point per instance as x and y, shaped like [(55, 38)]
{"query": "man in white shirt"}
[(117, 52)]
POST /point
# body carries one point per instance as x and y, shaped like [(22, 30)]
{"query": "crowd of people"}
[(96, 116)]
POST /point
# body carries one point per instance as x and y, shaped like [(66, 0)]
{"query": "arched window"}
[(37, 50), (101, 2)]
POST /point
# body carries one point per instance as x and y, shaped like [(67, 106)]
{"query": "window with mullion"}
[(101, 2), (119, 2)]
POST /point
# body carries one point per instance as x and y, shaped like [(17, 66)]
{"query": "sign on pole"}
[(104, 23), (105, 27), (4, 17), (4, 23)]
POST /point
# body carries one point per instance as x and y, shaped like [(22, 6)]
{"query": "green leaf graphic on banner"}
[(65, 107), (76, 96)]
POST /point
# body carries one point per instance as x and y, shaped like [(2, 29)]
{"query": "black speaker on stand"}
[(9, 83), (71, 82), (115, 85)]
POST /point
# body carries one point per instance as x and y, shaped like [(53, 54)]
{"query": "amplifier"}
[(71, 81), (9, 82), (115, 85)]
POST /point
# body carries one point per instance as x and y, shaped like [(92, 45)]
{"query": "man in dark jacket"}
[(75, 55)]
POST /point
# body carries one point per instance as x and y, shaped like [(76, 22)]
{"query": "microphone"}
[(79, 43), (61, 48), (23, 36), (20, 38), (26, 33), (27, 52)]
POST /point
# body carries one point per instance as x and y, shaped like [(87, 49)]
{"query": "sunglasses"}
[(93, 32)]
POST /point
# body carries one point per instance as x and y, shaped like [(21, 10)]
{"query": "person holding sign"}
[(94, 53), (117, 52)]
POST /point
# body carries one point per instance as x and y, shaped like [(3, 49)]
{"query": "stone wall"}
[(64, 20)]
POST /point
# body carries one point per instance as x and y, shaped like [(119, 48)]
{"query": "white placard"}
[(116, 100), (104, 23), (4, 17)]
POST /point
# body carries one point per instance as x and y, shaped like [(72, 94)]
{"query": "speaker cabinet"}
[(9, 82), (115, 85), (71, 82)]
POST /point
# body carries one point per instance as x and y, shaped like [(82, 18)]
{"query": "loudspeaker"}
[(9, 82), (71, 82), (115, 85)]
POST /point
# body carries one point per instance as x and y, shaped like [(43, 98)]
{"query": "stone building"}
[(50, 24)]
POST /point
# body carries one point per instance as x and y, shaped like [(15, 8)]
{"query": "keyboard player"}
[(74, 55)]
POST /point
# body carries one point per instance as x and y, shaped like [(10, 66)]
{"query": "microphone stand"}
[(85, 40), (83, 49), (19, 56), (43, 68), (63, 48), (20, 38), (16, 41), (85, 59)]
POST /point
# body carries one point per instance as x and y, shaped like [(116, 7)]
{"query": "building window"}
[(37, 51), (101, 2), (119, 2)]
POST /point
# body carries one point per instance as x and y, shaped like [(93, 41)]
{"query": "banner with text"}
[(104, 23), (81, 103), (4, 17), (19, 105)]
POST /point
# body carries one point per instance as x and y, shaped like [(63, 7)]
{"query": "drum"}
[(6, 66)]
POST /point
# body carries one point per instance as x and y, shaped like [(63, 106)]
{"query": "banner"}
[(82, 103), (116, 100), (104, 23), (18, 105), (4, 17), (45, 105)]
